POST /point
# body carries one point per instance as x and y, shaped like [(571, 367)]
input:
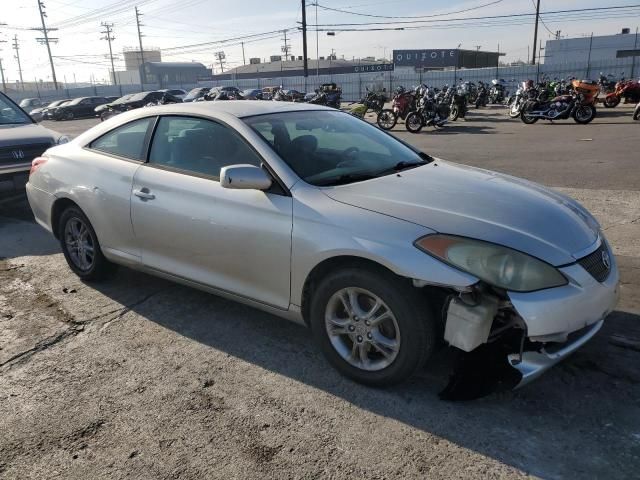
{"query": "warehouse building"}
[(443, 59), (593, 49)]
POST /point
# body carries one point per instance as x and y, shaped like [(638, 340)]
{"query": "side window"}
[(126, 140), (198, 146)]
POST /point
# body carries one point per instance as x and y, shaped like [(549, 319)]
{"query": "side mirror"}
[(244, 177)]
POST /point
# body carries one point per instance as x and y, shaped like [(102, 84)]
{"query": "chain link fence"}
[(354, 85)]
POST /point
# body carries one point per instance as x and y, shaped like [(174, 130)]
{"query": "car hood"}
[(480, 204), (11, 135)]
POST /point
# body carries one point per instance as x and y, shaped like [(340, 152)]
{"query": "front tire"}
[(526, 118), (414, 123), (80, 246), (387, 119), (455, 113), (372, 327), (583, 114)]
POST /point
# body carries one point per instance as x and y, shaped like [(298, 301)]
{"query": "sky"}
[(80, 54)]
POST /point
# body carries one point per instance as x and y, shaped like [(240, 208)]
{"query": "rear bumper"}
[(534, 364), (41, 204)]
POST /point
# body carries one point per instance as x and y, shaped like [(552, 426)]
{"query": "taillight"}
[(35, 164)]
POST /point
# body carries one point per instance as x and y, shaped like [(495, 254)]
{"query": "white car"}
[(319, 217)]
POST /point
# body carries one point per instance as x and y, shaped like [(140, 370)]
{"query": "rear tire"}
[(386, 119), (80, 246), (377, 355), (413, 123), (611, 102)]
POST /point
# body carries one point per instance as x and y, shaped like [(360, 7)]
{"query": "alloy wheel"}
[(79, 243), (362, 329)]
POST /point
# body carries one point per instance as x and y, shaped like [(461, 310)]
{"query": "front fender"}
[(324, 228)]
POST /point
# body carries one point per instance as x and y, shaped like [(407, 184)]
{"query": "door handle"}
[(144, 194)]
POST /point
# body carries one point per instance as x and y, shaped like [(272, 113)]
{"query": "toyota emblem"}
[(17, 154), (606, 260)]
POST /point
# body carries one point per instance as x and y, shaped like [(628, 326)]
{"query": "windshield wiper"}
[(398, 167), (344, 179)]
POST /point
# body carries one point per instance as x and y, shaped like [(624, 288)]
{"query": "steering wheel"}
[(352, 154)]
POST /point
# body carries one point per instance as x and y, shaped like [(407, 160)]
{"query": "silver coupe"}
[(314, 215)]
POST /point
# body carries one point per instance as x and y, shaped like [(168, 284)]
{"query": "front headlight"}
[(497, 265), (63, 139)]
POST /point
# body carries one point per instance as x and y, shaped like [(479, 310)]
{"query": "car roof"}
[(237, 108)]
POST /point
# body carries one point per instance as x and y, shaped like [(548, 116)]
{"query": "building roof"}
[(297, 65), (176, 65)]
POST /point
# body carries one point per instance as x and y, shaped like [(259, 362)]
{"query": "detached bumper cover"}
[(534, 364)]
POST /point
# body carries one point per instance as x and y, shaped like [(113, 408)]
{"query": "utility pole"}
[(304, 38), (108, 30), (16, 47), (4, 85), (243, 60), (535, 33), (143, 72), (317, 44), (285, 48), (220, 56), (589, 56), (47, 41)]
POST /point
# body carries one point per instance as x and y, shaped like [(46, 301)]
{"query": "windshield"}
[(10, 114), (122, 99), (26, 102), (333, 148), (195, 93), (139, 96)]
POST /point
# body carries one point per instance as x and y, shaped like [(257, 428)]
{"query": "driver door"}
[(189, 226)]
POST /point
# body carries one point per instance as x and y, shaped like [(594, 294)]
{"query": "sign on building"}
[(425, 58)]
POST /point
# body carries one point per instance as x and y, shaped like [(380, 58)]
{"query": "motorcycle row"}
[(571, 98), (424, 106)]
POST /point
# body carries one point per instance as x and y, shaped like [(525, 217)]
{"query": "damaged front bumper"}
[(532, 364)]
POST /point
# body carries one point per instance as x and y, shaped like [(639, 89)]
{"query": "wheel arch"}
[(58, 207)]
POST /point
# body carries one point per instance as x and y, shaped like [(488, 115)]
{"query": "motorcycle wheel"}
[(584, 114), (636, 114), (386, 119), (454, 114), (514, 110), (478, 103), (611, 102), (413, 123), (527, 119)]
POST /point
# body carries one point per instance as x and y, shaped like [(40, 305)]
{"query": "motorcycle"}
[(498, 91), (373, 101), (282, 95), (607, 85), (526, 91), (482, 96), (628, 90), (457, 99), (428, 112), (329, 94), (473, 92), (404, 101), (579, 105)]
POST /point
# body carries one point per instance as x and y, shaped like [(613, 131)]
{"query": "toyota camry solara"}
[(319, 217)]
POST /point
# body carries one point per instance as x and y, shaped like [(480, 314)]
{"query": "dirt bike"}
[(404, 101)]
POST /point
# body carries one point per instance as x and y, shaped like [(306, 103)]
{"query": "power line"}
[(397, 16), (491, 17)]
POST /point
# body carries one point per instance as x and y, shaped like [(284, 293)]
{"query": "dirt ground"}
[(141, 378)]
